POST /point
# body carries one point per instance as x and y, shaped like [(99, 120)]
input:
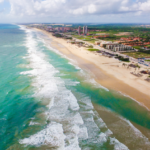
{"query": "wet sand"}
[(128, 133)]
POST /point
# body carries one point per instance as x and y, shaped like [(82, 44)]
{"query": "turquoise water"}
[(46, 101), (16, 102)]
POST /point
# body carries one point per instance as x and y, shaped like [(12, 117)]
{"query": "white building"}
[(111, 45), (118, 47), (105, 43)]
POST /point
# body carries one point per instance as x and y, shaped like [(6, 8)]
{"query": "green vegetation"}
[(110, 38), (137, 47), (92, 49), (78, 36), (139, 54), (137, 66), (69, 38), (122, 58), (147, 60), (113, 29), (87, 38), (90, 46), (58, 35), (92, 41)]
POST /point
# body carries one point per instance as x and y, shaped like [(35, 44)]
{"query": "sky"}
[(74, 11)]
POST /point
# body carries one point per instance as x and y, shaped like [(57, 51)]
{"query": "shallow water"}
[(46, 101)]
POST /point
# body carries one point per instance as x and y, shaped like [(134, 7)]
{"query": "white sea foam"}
[(69, 122), (71, 83), (62, 101), (137, 133), (33, 123), (117, 144), (97, 84), (52, 135), (78, 68), (51, 104), (134, 100), (102, 138), (89, 79)]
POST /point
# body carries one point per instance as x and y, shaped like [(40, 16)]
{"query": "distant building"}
[(63, 29), (58, 29), (146, 48), (85, 30), (118, 47), (97, 42), (104, 43), (49, 28), (79, 30), (67, 28)]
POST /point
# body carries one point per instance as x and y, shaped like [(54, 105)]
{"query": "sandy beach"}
[(109, 72)]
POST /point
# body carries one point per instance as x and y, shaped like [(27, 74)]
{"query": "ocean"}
[(49, 103)]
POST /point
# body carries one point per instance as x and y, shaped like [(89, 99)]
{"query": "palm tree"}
[(128, 67), (123, 64), (139, 68), (135, 70)]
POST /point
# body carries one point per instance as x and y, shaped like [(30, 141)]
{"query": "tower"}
[(63, 29), (79, 30), (86, 30)]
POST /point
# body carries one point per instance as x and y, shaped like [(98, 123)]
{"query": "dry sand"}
[(109, 72)]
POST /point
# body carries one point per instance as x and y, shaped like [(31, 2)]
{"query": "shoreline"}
[(108, 72)]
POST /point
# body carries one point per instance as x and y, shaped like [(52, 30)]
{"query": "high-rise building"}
[(63, 29), (79, 30), (85, 30), (58, 29)]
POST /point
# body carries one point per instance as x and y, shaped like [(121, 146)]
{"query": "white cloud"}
[(144, 6), (1, 1), (66, 7), (91, 9), (34, 9)]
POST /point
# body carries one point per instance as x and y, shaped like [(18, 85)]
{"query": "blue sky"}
[(100, 11), (5, 7)]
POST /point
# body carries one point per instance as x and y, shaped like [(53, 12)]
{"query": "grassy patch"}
[(87, 38), (92, 49), (137, 47), (139, 54), (148, 45)]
